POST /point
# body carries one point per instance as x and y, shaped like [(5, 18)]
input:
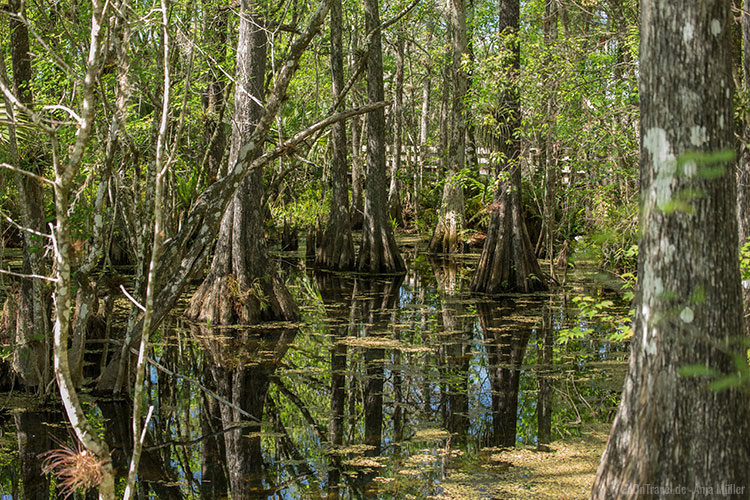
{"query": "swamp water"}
[(390, 387)]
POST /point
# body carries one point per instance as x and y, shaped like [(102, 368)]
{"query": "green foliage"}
[(304, 209), (745, 260), (718, 381), (604, 314)]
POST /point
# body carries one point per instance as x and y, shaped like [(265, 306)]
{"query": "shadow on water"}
[(388, 387)]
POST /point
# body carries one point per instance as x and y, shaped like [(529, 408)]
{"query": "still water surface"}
[(388, 386)]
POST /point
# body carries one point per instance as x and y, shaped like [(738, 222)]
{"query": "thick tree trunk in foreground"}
[(240, 288), (673, 431), (743, 170), (508, 261), (379, 252), (336, 250), (450, 225)]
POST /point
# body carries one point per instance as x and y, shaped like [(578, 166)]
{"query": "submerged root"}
[(228, 301), (240, 325)]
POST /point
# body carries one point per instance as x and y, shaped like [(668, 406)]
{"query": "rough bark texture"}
[(672, 431), (240, 288), (447, 235), (215, 30), (336, 250), (394, 192), (358, 200), (183, 257), (378, 252), (508, 261), (32, 335), (743, 168)]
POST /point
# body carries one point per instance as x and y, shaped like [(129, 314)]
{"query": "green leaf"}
[(698, 371), (727, 382)]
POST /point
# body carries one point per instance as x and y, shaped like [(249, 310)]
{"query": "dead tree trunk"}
[(508, 261)]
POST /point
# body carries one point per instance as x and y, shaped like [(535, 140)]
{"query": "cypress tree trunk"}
[(743, 170), (378, 253), (394, 193), (336, 250), (508, 261), (424, 131), (240, 288), (673, 431), (447, 235), (215, 30), (32, 335)]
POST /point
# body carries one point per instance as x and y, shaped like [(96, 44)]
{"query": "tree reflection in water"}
[(385, 388), (241, 362), (506, 337)]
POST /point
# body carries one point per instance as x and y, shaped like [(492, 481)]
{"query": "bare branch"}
[(22, 228), (132, 299), (27, 276)]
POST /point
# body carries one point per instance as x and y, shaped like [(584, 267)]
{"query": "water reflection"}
[(455, 347), (387, 387), (34, 438), (241, 362)]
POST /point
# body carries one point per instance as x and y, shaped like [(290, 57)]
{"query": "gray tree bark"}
[(336, 250), (673, 431), (378, 252), (240, 287), (450, 225), (358, 199), (31, 359), (743, 168), (508, 261), (394, 192)]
